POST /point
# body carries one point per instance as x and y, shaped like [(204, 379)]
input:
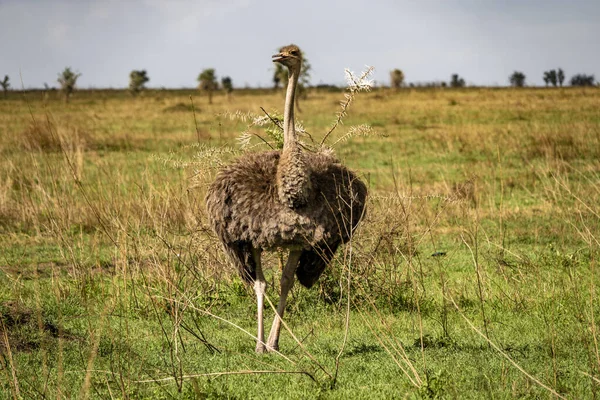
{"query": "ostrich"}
[(302, 201)]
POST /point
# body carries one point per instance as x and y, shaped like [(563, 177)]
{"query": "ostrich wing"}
[(314, 261), (240, 253)]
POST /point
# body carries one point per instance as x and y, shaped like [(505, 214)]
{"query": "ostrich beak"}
[(277, 57)]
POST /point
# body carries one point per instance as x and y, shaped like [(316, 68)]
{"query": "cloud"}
[(58, 34), (186, 16), (102, 10)]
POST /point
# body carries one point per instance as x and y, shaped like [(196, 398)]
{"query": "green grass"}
[(473, 275)]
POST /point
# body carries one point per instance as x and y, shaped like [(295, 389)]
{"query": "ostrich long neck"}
[(293, 177), (289, 128)]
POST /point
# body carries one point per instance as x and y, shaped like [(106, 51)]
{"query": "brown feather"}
[(244, 208)]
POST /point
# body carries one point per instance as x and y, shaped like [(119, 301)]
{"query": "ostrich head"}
[(290, 56)]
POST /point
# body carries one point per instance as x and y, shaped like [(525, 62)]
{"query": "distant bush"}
[(227, 85), (517, 79), (554, 77), (137, 80), (5, 84), (207, 81), (561, 76), (456, 81), (582, 80), (67, 80), (551, 77), (430, 84), (396, 78)]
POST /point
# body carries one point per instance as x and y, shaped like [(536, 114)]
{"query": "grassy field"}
[(473, 275)]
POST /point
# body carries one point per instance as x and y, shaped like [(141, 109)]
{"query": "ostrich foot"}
[(260, 348), (274, 347), (273, 344)]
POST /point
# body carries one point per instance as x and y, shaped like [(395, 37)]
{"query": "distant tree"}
[(279, 76), (582, 80), (456, 81), (517, 79), (5, 85), (67, 80), (553, 77), (560, 75), (396, 78), (546, 77), (208, 82), (227, 84), (137, 80), (550, 77), (303, 81)]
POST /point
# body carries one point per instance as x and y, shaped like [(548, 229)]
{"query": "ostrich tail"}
[(313, 262), (240, 253)]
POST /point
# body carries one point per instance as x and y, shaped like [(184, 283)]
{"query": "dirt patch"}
[(23, 329), (49, 269), (181, 107)]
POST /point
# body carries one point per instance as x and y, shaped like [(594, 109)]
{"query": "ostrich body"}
[(305, 202)]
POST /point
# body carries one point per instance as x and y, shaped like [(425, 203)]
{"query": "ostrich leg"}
[(259, 288), (287, 281)]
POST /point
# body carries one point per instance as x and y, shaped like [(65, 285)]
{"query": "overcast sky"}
[(483, 41)]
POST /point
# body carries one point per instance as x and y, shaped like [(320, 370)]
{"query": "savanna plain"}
[(473, 275)]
